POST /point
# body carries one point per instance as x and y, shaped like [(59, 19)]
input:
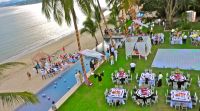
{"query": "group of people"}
[(70, 58), (157, 38), (178, 37), (116, 96), (144, 96), (195, 37), (48, 68), (111, 54)]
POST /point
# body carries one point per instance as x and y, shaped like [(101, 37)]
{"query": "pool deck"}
[(72, 90)]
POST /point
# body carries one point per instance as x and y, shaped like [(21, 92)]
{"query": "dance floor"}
[(177, 58)]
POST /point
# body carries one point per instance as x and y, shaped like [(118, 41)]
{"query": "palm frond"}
[(58, 12), (89, 26), (47, 8), (8, 65), (10, 98), (85, 6), (97, 14), (112, 21)]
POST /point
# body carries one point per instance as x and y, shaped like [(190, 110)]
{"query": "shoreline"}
[(15, 79), (70, 44)]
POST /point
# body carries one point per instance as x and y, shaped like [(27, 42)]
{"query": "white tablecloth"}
[(179, 96), (177, 77), (121, 74), (176, 40), (116, 94), (150, 77), (144, 93)]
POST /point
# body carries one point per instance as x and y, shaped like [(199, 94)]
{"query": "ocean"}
[(23, 28)]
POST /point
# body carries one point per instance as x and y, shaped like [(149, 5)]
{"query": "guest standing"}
[(53, 107), (132, 65), (77, 78), (80, 76), (107, 54), (112, 50), (184, 39), (99, 78), (111, 60), (160, 76), (92, 65), (115, 54)]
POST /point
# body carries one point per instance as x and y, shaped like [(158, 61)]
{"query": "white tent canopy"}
[(144, 47), (91, 53)]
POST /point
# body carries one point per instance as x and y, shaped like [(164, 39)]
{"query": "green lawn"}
[(92, 98)]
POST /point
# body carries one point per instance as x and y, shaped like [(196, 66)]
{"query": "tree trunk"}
[(101, 34), (104, 20), (169, 19), (96, 41), (79, 45)]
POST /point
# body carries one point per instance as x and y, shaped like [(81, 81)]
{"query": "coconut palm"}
[(90, 27), (101, 13), (124, 5), (97, 17), (113, 15), (8, 65), (10, 98), (65, 9)]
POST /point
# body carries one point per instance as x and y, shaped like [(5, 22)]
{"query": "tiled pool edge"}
[(71, 91)]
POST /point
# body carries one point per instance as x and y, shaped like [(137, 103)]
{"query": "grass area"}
[(92, 98)]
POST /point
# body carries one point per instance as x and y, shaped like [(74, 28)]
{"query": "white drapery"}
[(143, 47)]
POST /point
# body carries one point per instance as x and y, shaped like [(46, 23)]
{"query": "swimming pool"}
[(56, 89)]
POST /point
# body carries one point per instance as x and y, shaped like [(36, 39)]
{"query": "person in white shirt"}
[(112, 50), (132, 65), (77, 78), (115, 54), (160, 76), (184, 39), (43, 73), (198, 38)]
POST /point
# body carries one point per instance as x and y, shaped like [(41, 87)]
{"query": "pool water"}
[(56, 89)]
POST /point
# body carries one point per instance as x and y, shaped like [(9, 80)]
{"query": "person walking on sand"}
[(28, 75), (37, 67)]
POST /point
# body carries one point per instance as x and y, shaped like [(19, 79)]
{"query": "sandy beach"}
[(15, 78)]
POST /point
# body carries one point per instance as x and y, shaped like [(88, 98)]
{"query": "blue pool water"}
[(64, 82)]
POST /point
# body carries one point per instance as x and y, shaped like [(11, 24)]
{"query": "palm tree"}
[(124, 5), (10, 98), (65, 9), (8, 65), (97, 17), (113, 15), (90, 26), (104, 20)]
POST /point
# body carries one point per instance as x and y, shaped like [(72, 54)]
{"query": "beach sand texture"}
[(15, 78)]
